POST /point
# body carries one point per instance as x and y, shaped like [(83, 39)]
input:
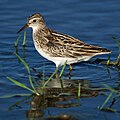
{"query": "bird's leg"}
[(70, 68), (57, 75)]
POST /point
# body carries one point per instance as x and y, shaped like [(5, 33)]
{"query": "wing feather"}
[(61, 45)]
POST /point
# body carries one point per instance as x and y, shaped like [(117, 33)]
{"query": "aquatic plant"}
[(24, 40), (117, 62), (33, 90), (79, 90), (112, 96), (30, 77), (114, 93), (117, 41), (19, 38), (16, 42)]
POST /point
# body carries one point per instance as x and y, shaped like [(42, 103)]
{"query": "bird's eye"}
[(34, 21)]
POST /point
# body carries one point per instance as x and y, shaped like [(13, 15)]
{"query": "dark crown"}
[(36, 15)]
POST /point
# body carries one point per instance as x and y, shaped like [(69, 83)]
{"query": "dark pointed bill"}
[(25, 26)]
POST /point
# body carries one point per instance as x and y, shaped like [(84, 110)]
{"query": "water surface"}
[(91, 21)]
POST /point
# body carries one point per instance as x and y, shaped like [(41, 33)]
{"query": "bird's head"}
[(35, 21)]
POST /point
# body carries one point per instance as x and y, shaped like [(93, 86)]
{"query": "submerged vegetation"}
[(114, 94), (71, 89), (117, 62)]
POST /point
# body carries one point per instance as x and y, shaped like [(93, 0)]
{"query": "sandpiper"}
[(59, 48)]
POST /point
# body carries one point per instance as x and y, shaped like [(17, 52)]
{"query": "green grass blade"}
[(13, 95), (19, 102), (63, 69), (28, 70), (16, 42), (111, 89), (25, 64), (117, 41), (31, 83), (118, 61), (24, 40), (49, 79), (108, 61), (105, 102), (20, 84), (79, 89)]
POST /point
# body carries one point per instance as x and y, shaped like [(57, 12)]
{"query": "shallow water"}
[(91, 21)]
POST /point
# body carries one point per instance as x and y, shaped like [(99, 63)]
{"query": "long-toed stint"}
[(59, 48)]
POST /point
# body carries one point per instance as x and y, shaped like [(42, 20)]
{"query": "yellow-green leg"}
[(70, 68), (57, 75)]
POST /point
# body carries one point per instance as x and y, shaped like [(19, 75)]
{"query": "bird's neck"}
[(39, 35)]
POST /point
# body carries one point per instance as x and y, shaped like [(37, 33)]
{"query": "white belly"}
[(59, 61)]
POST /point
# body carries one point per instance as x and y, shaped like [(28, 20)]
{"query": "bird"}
[(58, 47)]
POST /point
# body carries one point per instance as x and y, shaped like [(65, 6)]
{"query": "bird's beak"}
[(24, 27)]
